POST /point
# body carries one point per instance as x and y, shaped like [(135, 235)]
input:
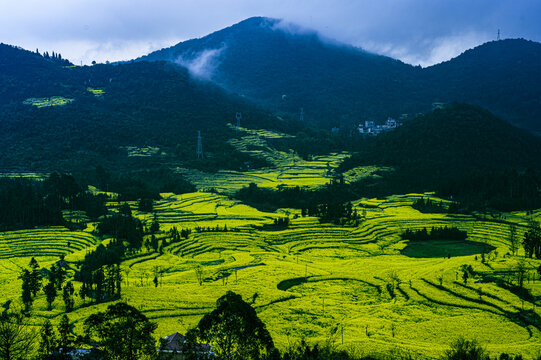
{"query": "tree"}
[(145, 205), (65, 338), (52, 275), (122, 332), (154, 242), (521, 272), (67, 295), (155, 226), (513, 241), (234, 330), (59, 276), (48, 341), (50, 293), (125, 209), (16, 341), (27, 289), (532, 241), (199, 274), (467, 270), (462, 349), (35, 283)]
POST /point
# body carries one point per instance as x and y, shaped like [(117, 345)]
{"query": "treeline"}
[(271, 199), (436, 233), (29, 203), (331, 203), (434, 207), (137, 184)]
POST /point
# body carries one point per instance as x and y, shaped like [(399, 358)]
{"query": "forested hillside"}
[(68, 117), (462, 151)]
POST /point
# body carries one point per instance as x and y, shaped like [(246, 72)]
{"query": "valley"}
[(223, 191)]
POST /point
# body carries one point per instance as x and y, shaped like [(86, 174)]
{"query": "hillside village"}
[(373, 129)]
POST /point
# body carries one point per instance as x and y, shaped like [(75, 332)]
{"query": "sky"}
[(419, 32)]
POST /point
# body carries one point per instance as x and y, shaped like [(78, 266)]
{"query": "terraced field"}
[(52, 241), (48, 101), (287, 168), (310, 280)]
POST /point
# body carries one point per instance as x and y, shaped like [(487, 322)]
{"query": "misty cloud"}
[(203, 64)]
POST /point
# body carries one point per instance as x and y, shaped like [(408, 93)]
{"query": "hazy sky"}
[(416, 31)]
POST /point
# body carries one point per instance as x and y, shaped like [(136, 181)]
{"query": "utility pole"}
[(239, 117), (199, 150), (498, 34)]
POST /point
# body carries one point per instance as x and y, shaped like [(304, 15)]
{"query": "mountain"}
[(339, 85), (285, 70), (502, 76), (105, 114)]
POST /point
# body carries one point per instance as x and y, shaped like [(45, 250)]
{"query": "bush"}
[(462, 349)]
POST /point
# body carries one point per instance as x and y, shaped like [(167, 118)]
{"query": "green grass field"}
[(309, 279)]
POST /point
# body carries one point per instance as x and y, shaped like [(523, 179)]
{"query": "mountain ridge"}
[(341, 85)]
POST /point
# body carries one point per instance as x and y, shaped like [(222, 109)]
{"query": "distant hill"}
[(502, 76), (23, 73), (459, 136), (109, 108), (339, 85), (462, 151)]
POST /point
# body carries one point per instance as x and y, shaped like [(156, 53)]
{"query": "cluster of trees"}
[(28, 203), (56, 344), (270, 199), (137, 185), (175, 235), (532, 241), (54, 57), (32, 284), (335, 212), (124, 228), (104, 283), (430, 206), (100, 272), (436, 233), (202, 229), (145, 205), (281, 222), (120, 332)]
